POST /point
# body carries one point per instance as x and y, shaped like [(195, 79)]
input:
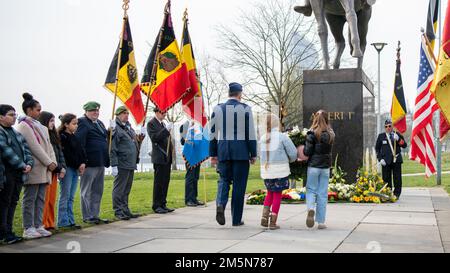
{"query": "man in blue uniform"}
[(233, 149)]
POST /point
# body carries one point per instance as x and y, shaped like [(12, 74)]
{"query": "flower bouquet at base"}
[(298, 168), (256, 197), (342, 192), (370, 188)]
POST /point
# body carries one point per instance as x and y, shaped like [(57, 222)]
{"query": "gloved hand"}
[(112, 124), (382, 162), (143, 130), (114, 171), (396, 138), (169, 126)]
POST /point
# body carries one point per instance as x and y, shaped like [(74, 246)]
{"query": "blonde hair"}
[(320, 124), (272, 121)]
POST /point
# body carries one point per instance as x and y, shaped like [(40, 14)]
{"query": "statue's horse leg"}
[(318, 9), (363, 25), (336, 23), (350, 14)]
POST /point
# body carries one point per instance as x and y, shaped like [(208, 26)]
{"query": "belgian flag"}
[(193, 101), (398, 109), (128, 90), (165, 80)]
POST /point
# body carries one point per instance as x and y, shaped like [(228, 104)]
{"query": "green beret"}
[(92, 105), (120, 110)]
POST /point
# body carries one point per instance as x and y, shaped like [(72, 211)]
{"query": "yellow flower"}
[(367, 199), (366, 193)]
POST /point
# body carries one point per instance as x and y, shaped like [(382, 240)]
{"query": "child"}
[(40, 177), (48, 120), (318, 146), (277, 150), (76, 163), (17, 162)]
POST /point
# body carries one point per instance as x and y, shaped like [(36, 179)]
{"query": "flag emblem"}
[(168, 61)]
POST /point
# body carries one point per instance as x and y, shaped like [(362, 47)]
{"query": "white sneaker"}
[(45, 233), (322, 226), (31, 233)]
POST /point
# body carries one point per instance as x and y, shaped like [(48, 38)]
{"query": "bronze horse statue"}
[(356, 12)]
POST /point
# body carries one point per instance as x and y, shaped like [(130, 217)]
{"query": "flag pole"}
[(437, 116), (155, 61), (125, 7)]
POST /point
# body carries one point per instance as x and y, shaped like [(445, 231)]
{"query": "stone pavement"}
[(419, 222)]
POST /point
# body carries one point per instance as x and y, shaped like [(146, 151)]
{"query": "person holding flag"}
[(195, 151), (162, 148), (389, 155), (124, 158)]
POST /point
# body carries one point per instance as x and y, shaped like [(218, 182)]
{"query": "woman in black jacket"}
[(76, 163), (319, 142)]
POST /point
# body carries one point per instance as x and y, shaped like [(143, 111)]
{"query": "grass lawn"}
[(142, 191)]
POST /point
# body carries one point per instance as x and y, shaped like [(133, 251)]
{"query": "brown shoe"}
[(310, 218), (265, 216), (273, 221)]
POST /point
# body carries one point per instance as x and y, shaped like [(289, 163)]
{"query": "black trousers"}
[(9, 197), (393, 170), (191, 184), (161, 184)]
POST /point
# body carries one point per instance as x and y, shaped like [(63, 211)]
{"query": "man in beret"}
[(233, 151), (93, 137), (388, 149), (124, 159), (162, 148)]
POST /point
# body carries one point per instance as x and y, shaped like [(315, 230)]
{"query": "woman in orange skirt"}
[(48, 119)]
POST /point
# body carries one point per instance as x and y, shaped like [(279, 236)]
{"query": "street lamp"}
[(378, 47)]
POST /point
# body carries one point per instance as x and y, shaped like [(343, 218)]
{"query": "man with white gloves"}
[(124, 159), (389, 144), (162, 147)]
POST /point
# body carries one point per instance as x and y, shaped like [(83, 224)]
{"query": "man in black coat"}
[(388, 144), (93, 137), (159, 134)]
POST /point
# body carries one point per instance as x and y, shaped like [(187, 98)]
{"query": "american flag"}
[(422, 145)]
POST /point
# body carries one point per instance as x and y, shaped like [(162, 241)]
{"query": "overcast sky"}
[(60, 50)]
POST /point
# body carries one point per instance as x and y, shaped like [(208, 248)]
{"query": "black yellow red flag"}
[(128, 90), (398, 108), (165, 81), (193, 101)]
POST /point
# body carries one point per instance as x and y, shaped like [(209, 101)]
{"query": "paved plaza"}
[(419, 222)]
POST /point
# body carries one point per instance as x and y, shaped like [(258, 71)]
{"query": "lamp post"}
[(378, 47)]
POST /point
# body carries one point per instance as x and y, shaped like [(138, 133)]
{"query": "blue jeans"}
[(68, 188), (317, 192)]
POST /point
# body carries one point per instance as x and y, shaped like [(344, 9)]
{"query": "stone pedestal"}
[(340, 93)]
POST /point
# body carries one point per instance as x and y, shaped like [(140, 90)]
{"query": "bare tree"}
[(271, 46), (214, 81)]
